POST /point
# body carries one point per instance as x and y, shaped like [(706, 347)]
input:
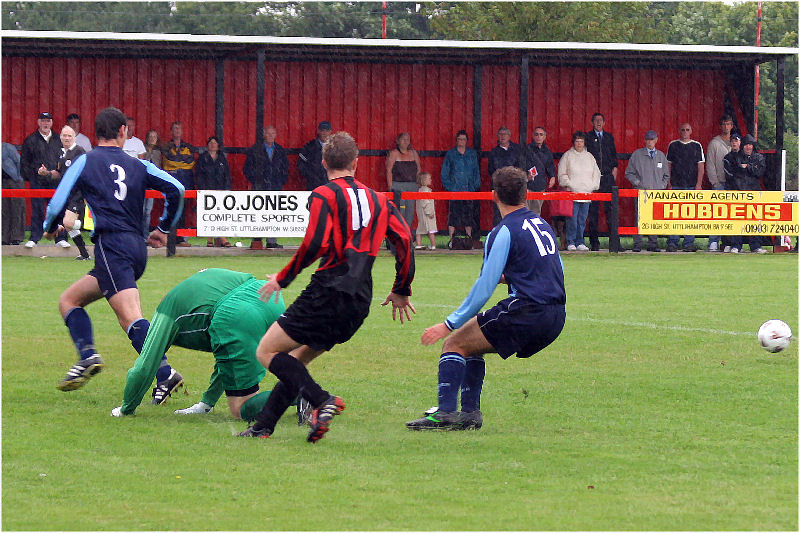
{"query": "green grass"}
[(654, 410)]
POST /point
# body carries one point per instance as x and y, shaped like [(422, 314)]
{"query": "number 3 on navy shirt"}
[(122, 192), (537, 232)]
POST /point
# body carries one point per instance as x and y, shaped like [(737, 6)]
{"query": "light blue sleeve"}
[(173, 191), (493, 265), (65, 186)]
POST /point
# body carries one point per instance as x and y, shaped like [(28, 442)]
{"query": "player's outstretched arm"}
[(402, 304), (434, 333), (270, 287)]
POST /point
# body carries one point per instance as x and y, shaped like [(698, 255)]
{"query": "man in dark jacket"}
[(267, 169), (538, 155), (40, 148), (310, 161), (743, 172), (600, 144), (505, 154)]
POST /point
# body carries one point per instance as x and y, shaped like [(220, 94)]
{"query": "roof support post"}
[(477, 83), (779, 97), (219, 101), (260, 81), (523, 100)]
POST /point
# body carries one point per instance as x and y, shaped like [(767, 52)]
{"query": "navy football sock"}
[(473, 383), (80, 329), (288, 369), (164, 370), (137, 332), (451, 374)]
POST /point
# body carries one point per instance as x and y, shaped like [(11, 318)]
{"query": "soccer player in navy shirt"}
[(113, 184), (347, 224), (521, 251)]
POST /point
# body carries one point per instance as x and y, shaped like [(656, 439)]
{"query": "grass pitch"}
[(655, 409)]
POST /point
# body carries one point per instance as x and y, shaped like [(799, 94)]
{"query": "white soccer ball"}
[(774, 335)]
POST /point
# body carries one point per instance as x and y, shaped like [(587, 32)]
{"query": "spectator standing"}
[(460, 173), (309, 162), (545, 173), (213, 174), (505, 154), (178, 161), (267, 169), (426, 212), (152, 153), (13, 208), (648, 169), (74, 207), (744, 169), (687, 166), (600, 144), (578, 172), (74, 122), (717, 149), (40, 148), (133, 146), (402, 167)]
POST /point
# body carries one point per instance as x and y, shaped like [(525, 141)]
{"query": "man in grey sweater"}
[(648, 168)]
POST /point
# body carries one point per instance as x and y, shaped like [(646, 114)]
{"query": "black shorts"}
[(461, 213), (322, 317), (77, 207), (119, 260), (515, 326)]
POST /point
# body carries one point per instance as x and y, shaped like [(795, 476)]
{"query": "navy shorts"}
[(322, 317), (119, 260), (516, 326)]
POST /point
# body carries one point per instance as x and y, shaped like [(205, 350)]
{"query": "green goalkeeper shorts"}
[(238, 323)]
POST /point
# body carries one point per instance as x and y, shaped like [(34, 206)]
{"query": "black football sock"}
[(291, 371), (277, 403), (78, 240)]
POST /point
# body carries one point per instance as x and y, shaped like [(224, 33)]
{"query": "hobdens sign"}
[(716, 213), (252, 213)]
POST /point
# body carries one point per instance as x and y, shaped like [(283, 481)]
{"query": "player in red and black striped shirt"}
[(348, 222)]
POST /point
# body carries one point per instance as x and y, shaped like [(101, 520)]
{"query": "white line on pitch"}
[(649, 325)]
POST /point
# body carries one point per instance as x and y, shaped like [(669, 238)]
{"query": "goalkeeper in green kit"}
[(217, 311)]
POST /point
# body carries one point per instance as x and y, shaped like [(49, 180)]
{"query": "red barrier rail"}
[(481, 195)]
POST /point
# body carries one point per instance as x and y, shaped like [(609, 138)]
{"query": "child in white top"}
[(426, 213)]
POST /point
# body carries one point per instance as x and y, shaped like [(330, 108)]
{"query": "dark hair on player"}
[(511, 185), (339, 151), (598, 114), (725, 118), (459, 133), (108, 122), (578, 135)]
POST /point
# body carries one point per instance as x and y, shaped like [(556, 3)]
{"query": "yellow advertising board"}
[(677, 212)]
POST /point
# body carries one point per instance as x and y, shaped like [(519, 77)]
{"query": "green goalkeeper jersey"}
[(184, 318)]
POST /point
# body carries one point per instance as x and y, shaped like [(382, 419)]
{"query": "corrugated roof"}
[(183, 46)]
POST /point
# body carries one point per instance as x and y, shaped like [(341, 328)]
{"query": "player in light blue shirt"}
[(520, 251)]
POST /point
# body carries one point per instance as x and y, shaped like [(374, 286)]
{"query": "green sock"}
[(253, 406)]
